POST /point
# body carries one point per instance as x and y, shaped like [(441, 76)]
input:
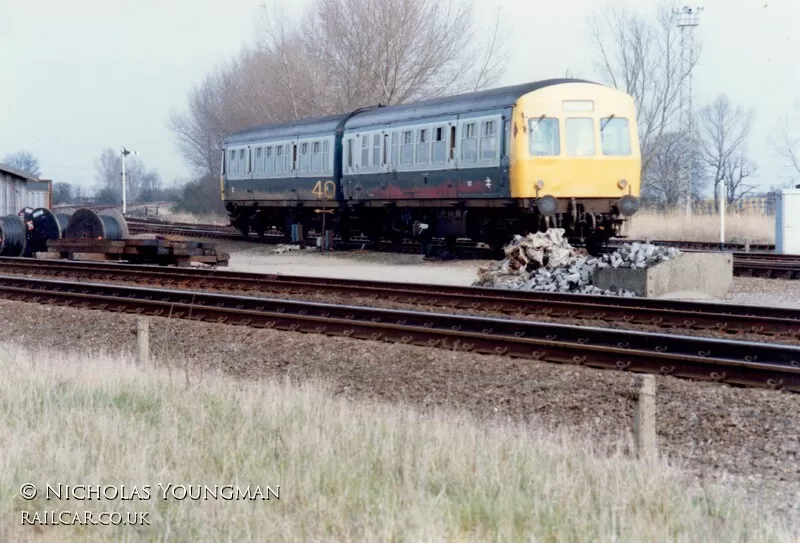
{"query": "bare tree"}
[(24, 162), (723, 131), (139, 182), (736, 173), (63, 193), (643, 58), (339, 56), (662, 183), (788, 141)]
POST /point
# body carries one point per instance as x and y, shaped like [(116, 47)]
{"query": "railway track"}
[(746, 264), (724, 361), (665, 314)]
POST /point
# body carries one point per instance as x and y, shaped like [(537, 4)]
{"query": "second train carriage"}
[(484, 165)]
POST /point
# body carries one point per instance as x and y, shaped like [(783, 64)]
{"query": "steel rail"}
[(671, 314), (732, 362)]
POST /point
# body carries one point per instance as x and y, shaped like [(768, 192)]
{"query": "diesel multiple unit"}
[(485, 165)]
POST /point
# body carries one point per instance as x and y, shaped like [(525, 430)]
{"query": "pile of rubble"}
[(545, 261)]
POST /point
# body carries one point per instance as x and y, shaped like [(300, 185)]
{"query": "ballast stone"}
[(546, 262)]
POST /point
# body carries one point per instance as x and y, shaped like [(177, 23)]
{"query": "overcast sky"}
[(81, 75)]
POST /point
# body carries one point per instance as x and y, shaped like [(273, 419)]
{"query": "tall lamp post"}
[(125, 152)]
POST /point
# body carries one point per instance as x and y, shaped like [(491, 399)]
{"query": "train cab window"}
[(423, 146), (439, 145), (364, 151), (488, 140), (469, 143), (376, 150), (615, 136), (268, 160), (543, 137), (350, 153), (232, 166), (579, 133), (279, 162), (407, 156)]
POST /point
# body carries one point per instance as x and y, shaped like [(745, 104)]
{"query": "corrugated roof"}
[(17, 173)]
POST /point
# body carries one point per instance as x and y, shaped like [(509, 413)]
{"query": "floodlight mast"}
[(688, 19)]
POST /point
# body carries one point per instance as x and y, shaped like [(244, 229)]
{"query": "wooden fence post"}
[(143, 336), (645, 419)]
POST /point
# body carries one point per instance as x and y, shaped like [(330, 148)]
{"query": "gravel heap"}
[(545, 261)]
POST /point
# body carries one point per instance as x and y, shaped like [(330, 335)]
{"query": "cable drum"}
[(45, 227), (86, 223), (13, 238)]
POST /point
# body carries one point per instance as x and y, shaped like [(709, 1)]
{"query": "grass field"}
[(346, 471), (675, 225)]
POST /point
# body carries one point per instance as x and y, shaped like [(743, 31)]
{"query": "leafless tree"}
[(723, 131), (63, 193), (24, 162), (738, 169), (663, 183), (138, 179), (788, 141), (338, 56), (643, 58)]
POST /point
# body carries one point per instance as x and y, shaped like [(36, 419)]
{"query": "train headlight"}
[(628, 205), (623, 184), (540, 184), (547, 205)]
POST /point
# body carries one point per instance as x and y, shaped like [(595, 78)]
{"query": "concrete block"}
[(709, 273)]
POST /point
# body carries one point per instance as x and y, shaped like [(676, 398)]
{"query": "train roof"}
[(301, 127), (461, 103)]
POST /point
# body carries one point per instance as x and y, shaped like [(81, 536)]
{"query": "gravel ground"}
[(744, 438)]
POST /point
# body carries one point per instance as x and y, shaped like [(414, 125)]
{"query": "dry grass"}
[(674, 225), (346, 471), (218, 219)]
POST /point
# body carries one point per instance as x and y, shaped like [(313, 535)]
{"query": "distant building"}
[(19, 190)]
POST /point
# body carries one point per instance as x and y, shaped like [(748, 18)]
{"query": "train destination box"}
[(707, 273), (787, 222)]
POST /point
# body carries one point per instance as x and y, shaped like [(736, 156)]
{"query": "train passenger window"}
[(407, 156), (291, 156), (376, 150), (439, 146), (488, 140), (615, 136), (395, 148), (316, 157), (233, 168), (469, 143), (364, 151), (258, 167), (580, 136), (423, 146), (268, 160), (325, 151), (543, 137), (279, 162), (304, 158)]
